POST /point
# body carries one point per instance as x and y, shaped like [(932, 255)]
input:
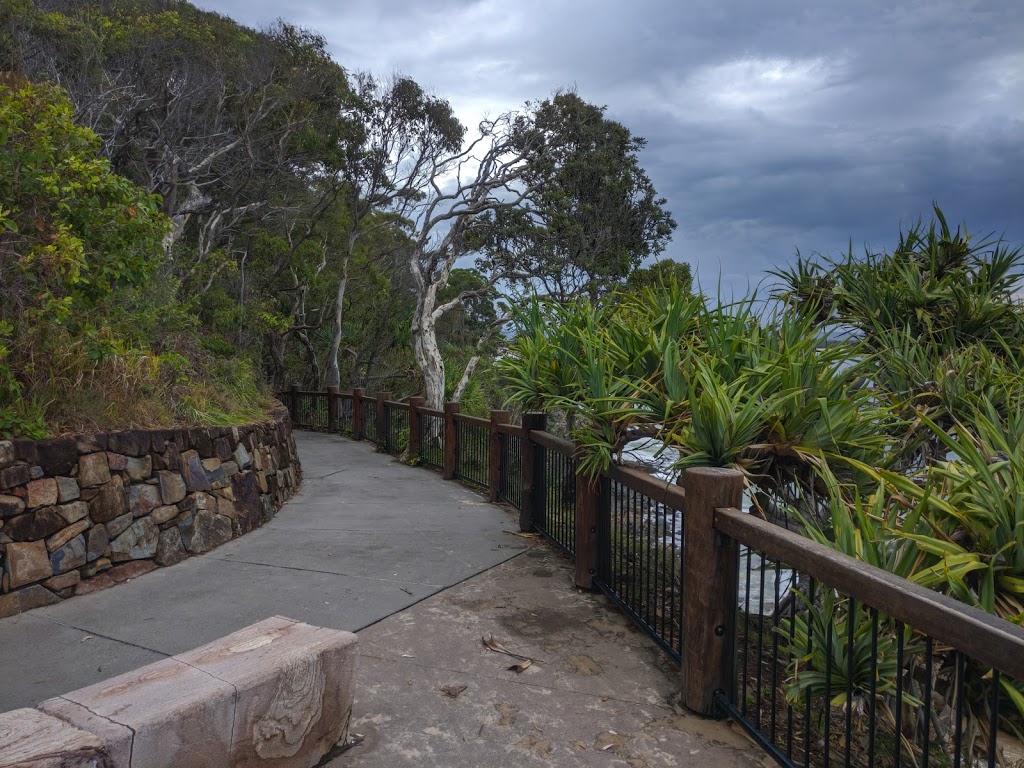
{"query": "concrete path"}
[(599, 693), (365, 538)]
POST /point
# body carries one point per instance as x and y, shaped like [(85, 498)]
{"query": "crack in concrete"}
[(129, 643), (331, 573)]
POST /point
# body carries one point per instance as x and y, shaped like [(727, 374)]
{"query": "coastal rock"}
[(93, 469), (139, 541), (27, 562)]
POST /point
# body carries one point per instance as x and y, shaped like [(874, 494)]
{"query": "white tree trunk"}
[(428, 355), (334, 370), (467, 375)]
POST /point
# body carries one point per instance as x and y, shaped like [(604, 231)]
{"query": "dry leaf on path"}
[(452, 690), (521, 667), (493, 645)]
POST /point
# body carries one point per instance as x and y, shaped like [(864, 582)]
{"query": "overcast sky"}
[(770, 126)]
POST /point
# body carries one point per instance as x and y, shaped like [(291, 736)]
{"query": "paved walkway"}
[(372, 545), (364, 538)]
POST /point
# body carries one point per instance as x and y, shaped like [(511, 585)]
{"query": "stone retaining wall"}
[(82, 512)]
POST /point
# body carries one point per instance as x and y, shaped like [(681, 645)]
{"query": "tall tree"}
[(595, 214), (405, 134)]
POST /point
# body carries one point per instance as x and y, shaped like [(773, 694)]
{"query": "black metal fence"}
[(369, 422), (510, 473), (823, 678), (557, 518), (473, 451), (639, 560), (431, 439), (397, 438), (311, 410)]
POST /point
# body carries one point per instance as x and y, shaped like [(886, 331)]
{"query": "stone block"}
[(193, 471), (91, 443), (172, 487), (140, 469), (10, 506), (74, 511), (67, 489), (36, 472), (294, 689), (57, 456), (118, 461), (164, 514), (164, 714), (130, 442), (111, 734), (61, 538), (143, 499), (19, 474), (26, 450), (112, 575), (222, 448), (25, 599), (119, 525), (242, 458), (210, 530), (42, 493), (33, 739), (63, 581), (27, 562), (97, 566), (70, 556), (7, 455), (230, 469), (109, 503), (34, 525), (170, 548), (138, 542), (96, 540), (93, 469)]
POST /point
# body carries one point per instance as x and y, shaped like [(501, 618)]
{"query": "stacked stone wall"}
[(82, 512)]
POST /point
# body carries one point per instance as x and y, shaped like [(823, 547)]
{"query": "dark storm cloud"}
[(770, 127)]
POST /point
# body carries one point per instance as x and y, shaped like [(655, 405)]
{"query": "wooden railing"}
[(672, 557)]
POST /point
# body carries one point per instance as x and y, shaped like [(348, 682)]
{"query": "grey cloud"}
[(769, 127)]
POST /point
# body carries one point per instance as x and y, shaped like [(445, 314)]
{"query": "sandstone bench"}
[(276, 694)]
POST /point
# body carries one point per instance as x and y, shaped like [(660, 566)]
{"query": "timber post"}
[(588, 492), (532, 471), (451, 441), (494, 455), (357, 413), (382, 423), (415, 403), (293, 406), (710, 583), (333, 400)]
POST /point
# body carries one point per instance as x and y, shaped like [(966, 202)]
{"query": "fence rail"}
[(821, 658)]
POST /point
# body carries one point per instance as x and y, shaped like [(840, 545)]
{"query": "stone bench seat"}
[(277, 693)]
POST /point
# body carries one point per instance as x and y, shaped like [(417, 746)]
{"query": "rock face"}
[(78, 513)]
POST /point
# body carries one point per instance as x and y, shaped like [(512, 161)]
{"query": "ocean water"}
[(757, 578)]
